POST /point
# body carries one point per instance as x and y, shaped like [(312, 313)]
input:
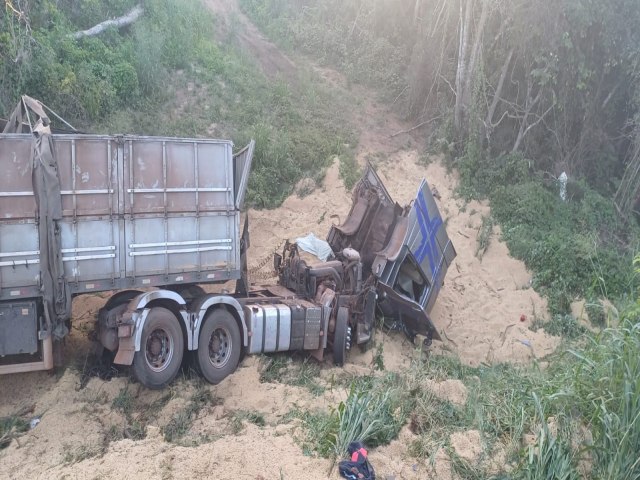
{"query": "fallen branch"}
[(415, 127), (119, 22), (9, 5)]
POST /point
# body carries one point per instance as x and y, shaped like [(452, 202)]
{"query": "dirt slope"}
[(478, 314), (229, 17)]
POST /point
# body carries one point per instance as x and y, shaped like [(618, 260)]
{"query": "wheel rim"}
[(159, 350), (220, 347)]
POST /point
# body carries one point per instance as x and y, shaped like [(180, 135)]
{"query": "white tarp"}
[(315, 246)]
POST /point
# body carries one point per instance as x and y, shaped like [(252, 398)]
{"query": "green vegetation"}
[(298, 373), (373, 413), (135, 423), (181, 422), (11, 427), (167, 75), (567, 101), (558, 106), (327, 31), (581, 413), (549, 457), (82, 452), (576, 248), (484, 235), (240, 416)]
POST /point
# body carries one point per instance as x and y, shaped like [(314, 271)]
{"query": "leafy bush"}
[(572, 247), (93, 76), (123, 80), (564, 326), (482, 176)]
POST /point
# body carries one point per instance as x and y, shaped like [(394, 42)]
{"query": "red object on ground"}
[(523, 318), (360, 451)]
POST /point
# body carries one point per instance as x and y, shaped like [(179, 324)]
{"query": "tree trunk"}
[(488, 123), (529, 103), (629, 188), (475, 53), (416, 12), (466, 6), (119, 22)]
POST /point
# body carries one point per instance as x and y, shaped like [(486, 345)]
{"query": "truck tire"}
[(219, 346), (341, 337), (161, 349)]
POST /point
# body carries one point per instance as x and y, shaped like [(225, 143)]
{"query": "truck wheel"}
[(161, 349), (219, 346), (341, 337)]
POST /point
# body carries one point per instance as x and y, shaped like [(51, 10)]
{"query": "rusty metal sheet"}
[(88, 169), (16, 190), (173, 175)]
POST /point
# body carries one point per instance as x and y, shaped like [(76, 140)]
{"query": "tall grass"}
[(591, 394), (373, 413), (604, 387), (549, 457), (365, 416)]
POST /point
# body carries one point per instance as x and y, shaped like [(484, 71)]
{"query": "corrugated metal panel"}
[(132, 206), (171, 176), (88, 175), (16, 191), (88, 168), (180, 244), (19, 254)]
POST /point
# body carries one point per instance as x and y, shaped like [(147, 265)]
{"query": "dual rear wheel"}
[(162, 348)]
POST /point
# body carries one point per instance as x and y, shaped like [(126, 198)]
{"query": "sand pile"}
[(480, 309)]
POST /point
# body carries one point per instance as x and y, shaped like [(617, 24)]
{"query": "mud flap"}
[(126, 351)]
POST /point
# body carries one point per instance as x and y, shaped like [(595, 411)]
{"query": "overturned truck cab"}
[(389, 261)]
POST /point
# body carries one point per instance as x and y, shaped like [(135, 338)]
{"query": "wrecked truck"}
[(153, 220)]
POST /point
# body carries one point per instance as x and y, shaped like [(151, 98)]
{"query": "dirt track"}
[(478, 314)]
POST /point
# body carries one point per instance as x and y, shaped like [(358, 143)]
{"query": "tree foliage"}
[(525, 90), (92, 77), (555, 80)]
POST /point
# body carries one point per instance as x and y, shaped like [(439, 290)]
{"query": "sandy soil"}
[(481, 307), (478, 314)]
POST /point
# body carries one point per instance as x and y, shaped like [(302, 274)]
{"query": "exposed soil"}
[(478, 314), (231, 21)]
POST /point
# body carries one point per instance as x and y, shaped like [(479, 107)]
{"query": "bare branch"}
[(489, 125), (540, 117), (415, 127), (119, 22), (9, 5), (442, 77)]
